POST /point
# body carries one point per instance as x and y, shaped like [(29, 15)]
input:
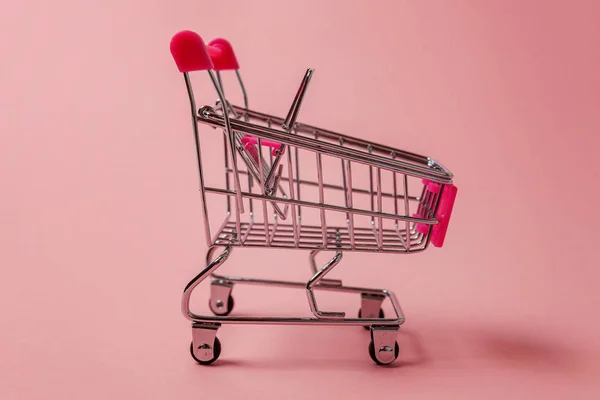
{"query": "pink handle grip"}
[(444, 211), (443, 214), (222, 55), (249, 141), (189, 52)]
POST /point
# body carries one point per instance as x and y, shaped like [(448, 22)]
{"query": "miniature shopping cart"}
[(288, 185)]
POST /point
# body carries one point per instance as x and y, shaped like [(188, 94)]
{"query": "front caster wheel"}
[(216, 352), (383, 355)]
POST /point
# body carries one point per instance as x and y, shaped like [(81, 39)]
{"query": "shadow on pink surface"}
[(525, 352), (427, 347)]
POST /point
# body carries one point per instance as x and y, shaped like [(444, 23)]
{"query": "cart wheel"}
[(381, 315), (374, 356), (216, 352), (223, 311)]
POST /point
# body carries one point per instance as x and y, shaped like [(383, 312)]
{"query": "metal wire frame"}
[(407, 234), (322, 143), (402, 238)]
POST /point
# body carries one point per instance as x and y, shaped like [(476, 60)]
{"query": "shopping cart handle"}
[(222, 55), (189, 52)]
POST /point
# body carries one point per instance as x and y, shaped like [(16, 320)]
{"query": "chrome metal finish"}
[(190, 91), (314, 281), (397, 196), (203, 339), (313, 264), (351, 141), (321, 198), (327, 148), (370, 305), (239, 203), (220, 291), (264, 203), (406, 212), (398, 318), (331, 186), (318, 205), (384, 343), (210, 268), (244, 94), (290, 120)]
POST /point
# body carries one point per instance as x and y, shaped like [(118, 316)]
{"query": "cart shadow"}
[(332, 349), (527, 352), (431, 347)]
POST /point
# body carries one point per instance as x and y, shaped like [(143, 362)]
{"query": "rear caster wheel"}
[(216, 352), (367, 327), (219, 308), (383, 355)]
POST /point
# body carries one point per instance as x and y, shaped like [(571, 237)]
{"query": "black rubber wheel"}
[(224, 311), (381, 315), (372, 353), (216, 352)]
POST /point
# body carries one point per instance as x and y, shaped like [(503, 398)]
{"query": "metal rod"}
[(329, 149), (338, 187), (227, 184), (366, 248), (275, 225), (271, 189), (323, 285), (330, 207), (345, 183), (211, 266), (290, 120), (292, 196), (264, 203), (312, 301), (239, 78), (221, 229), (228, 108), (188, 85), (308, 231), (220, 81), (297, 157), (324, 133), (349, 204), (395, 184), (321, 197), (406, 213), (379, 208), (239, 206), (250, 201)]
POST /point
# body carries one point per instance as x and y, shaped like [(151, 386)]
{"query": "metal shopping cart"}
[(401, 203)]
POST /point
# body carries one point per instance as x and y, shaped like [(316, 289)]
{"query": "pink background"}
[(100, 226)]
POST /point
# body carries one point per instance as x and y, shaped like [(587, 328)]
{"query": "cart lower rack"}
[(289, 185)]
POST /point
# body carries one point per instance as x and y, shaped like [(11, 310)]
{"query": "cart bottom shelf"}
[(311, 237)]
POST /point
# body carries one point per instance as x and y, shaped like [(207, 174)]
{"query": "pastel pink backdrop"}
[(100, 225)]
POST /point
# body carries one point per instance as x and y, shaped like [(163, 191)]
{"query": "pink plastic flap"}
[(189, 52), (248, 141), (222, 55), (421, 228), (443, 214)]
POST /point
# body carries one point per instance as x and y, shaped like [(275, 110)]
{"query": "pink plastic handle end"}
[(249, 141), (444, 211), (189, 52), (443, 214), (421, 228), (222, 55)]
